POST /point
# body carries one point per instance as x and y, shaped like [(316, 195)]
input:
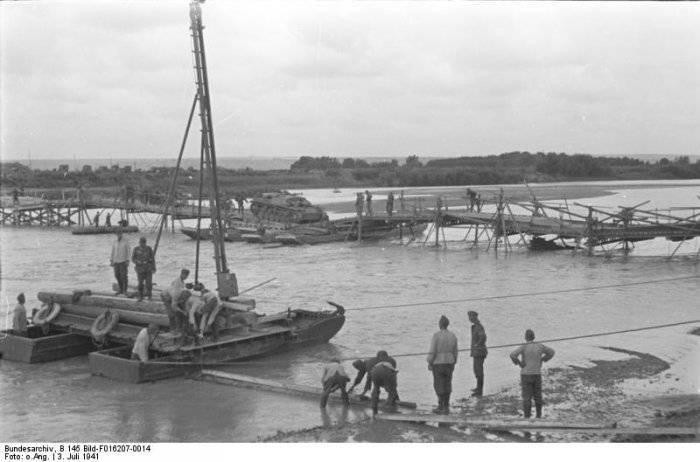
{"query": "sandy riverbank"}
[(572, 394)]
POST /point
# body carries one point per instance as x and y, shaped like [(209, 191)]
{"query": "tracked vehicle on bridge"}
[(285, 207)]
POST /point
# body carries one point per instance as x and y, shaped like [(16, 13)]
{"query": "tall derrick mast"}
[(227, 284)]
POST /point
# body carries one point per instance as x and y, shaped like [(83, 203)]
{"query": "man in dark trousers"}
[(478, 352), (441, 361), (390, 204), (383, 375), (145, 265), (530, 357), (364, 366)]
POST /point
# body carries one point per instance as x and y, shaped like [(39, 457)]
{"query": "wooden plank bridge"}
[(71, 211), (585, 226)]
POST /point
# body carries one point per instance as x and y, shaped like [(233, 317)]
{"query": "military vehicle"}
[(285, 207)]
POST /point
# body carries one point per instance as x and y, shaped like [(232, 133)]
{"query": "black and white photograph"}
[(342, 223)]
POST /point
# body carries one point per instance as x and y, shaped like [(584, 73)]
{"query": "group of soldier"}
[(363, 203), (189, 317), (108, 220), (144, 261), (381, 371)]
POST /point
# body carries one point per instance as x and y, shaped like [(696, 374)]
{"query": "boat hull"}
[(38, 348), (292, 238), (231, 234), (308, 328), (104, 229)]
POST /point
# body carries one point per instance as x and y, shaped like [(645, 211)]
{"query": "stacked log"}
[(125, 316), (131, 311), (129, 304), (102, 301)]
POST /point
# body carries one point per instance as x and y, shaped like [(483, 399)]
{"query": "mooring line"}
[(527, 294), (405, 355), (563, 339)]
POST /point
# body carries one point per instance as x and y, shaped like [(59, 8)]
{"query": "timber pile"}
[(79, 309), (104, 300)]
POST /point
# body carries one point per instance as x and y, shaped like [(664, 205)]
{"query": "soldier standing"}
[(368, 201), (530, 357), (145, 265), (478, 352), (441, 361), (359, 203), (390, 204)]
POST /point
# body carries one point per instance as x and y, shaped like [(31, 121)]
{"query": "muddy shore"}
[(572, 394)]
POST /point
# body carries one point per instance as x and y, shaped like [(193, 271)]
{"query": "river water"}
[(62, 401)]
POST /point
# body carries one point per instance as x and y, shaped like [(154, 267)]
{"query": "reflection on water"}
[(77, 406)]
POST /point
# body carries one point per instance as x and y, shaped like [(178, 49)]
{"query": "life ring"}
[(103, 324), (46, 313)]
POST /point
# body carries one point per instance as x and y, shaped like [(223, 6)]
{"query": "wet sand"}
[(572, 394)]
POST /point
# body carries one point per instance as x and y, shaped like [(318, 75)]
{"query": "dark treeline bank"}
[(330, 172)]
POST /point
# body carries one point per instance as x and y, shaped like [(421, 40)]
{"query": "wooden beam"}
[(539, 425), (248, 381), (457, 419)]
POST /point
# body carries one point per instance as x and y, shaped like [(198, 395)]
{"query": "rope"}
[(563, 339), (405, 355), (527, 294)]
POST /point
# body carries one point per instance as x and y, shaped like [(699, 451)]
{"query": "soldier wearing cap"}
[(145, 265), (478, 352), (441, 361)]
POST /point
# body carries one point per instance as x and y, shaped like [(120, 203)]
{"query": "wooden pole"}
[(359, 227), (430, 232), (675, 250), (589, 231), (438, 206), (517, 226)]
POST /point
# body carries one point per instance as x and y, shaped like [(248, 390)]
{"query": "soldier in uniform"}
[(145, 265), (359, 202), (390, 204), (478, 352)]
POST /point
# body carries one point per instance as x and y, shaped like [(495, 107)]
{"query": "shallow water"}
[(77, 406)]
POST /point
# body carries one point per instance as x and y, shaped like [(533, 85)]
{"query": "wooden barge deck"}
[(244, 334)]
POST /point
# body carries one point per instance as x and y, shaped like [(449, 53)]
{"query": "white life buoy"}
[(46, 314), (103, 324)]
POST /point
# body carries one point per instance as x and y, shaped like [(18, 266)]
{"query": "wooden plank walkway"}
[(307, 391), (538, 225), (62, 211), (537, 425)]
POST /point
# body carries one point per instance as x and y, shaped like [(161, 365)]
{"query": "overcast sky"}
[(114, 79)]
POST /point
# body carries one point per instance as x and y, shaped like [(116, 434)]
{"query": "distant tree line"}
[(510, 167), (322, 172)]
